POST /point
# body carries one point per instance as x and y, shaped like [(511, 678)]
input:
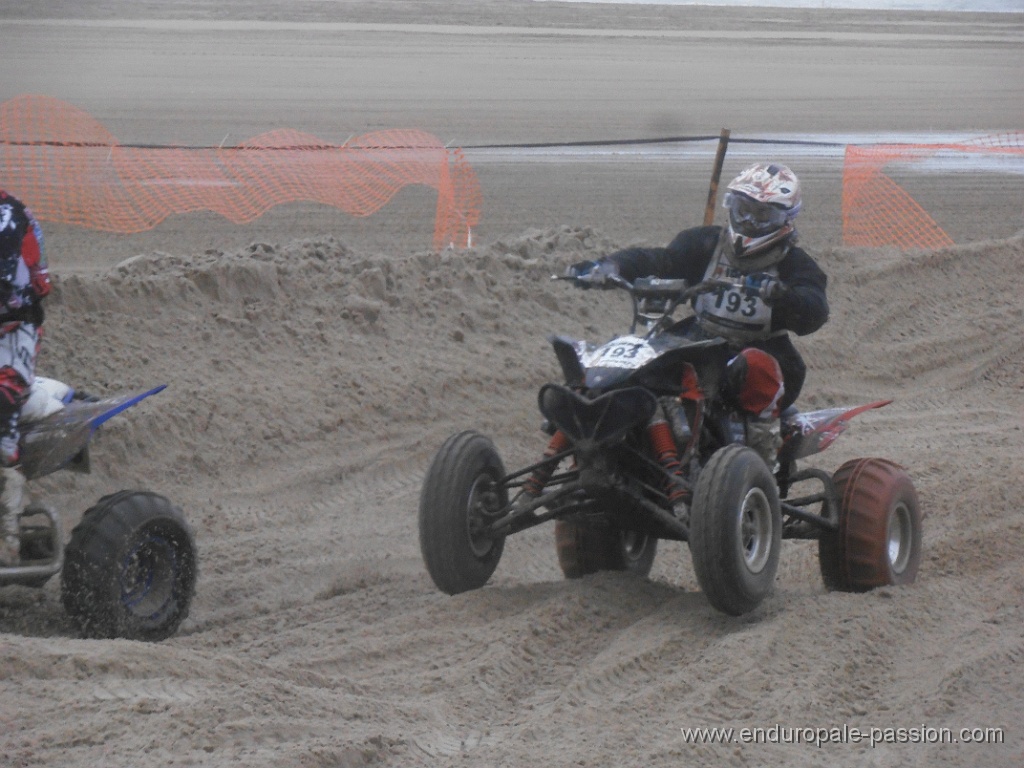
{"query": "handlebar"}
[(654, 299), (653, 287)]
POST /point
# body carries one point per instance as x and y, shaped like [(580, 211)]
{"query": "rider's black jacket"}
[(802, 308)]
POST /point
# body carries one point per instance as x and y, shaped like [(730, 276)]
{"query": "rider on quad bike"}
[(24, 281), (783, 289), (671, 431)]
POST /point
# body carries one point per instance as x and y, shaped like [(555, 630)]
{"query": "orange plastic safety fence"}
[(67, 167), (877, 211)]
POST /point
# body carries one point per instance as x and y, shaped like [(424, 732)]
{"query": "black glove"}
[(768, 287), (593, 273)]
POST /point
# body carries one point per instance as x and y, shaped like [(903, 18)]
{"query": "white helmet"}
[(762, 201)]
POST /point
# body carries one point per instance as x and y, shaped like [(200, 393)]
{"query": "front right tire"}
[(736, 530)]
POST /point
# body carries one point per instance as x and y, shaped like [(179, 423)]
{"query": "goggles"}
[(751, 218)]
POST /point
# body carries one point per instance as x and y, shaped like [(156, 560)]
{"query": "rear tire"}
[(461, 495), (736, 530), (588, 547), (130, 568), (879, 538)]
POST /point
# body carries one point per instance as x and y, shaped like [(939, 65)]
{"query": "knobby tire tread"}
[(91, 561), (855, 558)]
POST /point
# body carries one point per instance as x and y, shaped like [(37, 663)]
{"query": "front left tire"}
[(462, 493)]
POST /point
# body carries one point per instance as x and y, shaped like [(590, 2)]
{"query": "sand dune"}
[(318, 639)]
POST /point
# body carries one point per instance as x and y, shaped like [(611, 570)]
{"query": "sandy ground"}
[(316, 362)]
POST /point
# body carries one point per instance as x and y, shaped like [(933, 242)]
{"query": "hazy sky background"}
[(1004, 6)]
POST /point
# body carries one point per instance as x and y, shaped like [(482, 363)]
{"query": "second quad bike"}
[(129, 569), (648, 441)]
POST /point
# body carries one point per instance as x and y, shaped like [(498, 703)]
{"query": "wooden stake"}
[(709, 210)]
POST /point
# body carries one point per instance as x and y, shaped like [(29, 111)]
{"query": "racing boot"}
[(12, 503)]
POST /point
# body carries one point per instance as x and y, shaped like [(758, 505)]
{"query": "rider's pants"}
[(18, 349)]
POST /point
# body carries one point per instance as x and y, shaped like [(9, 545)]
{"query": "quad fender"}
[(59, 439), (815, 431)]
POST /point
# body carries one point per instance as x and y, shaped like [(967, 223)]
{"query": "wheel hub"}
[(900, 535), (480, 506), (633, 545), (148, 577), (756, 530)]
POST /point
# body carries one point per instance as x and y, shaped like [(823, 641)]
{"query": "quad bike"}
[(129, 569), (648, 442)]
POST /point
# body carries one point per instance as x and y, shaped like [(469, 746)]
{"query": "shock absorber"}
[(660, 434), (535, 483)]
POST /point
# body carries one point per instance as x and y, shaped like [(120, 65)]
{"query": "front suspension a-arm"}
[(524, 515), (523, 512), (809, 525)]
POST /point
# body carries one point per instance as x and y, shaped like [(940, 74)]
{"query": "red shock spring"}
[(665, 452), (534, 485)]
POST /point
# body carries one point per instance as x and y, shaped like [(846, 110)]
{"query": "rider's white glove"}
[(768, 287)]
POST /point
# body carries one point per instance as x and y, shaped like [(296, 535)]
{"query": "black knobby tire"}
[(462, 493), (586, 547), (879, 538), (130, 568), (736, 530)]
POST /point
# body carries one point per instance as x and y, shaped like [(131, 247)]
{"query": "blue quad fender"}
[(61, 439)]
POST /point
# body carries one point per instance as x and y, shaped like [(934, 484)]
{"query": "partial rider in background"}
[(779, 287), (24, 281)]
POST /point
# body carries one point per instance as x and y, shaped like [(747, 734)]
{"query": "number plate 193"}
[(624, 352)]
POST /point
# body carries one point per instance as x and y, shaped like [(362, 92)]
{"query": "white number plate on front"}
[(624, 352)]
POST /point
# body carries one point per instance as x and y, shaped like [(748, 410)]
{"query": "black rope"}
[(665, 140)]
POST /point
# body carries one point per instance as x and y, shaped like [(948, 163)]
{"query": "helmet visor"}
[(752, 218)]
